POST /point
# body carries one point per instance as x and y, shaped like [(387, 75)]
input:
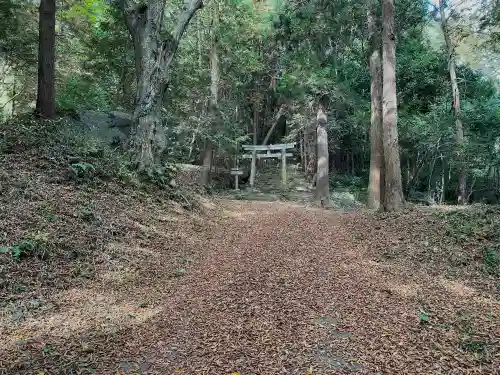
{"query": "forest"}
[(200, 81), (249, 187)]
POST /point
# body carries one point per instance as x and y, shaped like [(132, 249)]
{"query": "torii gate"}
[(282, 154)]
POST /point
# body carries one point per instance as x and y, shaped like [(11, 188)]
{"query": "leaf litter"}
[(245, 288)]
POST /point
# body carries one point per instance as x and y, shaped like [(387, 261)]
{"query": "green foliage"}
[(18, 31), (473, 346), (491, 259), (354, 185), (286, 51), (79, 92), (86, 158), (476, 222), (478, 225), (161, 176), (424, 316), (82, 171), (35, 244)]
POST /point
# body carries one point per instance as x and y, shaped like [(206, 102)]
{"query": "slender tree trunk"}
[(301, 142), (376, 179), (459, 129), (305, 148), (14, 95), (214, 99), (280, 113), (441, 195), (253, 168), (46, 98), (153, 61), (322, 178), (394, 198)]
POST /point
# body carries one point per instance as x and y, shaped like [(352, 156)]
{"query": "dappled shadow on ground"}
[(271, 288)]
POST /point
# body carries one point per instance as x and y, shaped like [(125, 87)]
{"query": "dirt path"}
[(273, 289)]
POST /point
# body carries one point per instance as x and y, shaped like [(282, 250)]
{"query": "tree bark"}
[(46, 98), (310, 135), (394, 198), (459, 129), (213, 102), (253, 167), (376, 178), (322, 178), (153, 60)]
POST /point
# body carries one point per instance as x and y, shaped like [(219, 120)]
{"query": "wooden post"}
[(236, 172), (253, 167), (283, 167)]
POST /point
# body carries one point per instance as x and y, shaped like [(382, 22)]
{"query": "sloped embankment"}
[(77, 257)]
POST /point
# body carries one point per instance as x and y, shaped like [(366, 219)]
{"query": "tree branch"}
[(280, 113), (130, 11), (12, 98), (189, 9)]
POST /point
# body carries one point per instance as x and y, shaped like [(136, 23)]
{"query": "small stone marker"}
[(236, 172)]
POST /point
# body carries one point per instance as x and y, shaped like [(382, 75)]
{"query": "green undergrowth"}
[(347, 191), (63, 147), (477, 225), (34, 244)]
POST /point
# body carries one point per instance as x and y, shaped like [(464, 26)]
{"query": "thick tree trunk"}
[(322, 178), (310, 134), (393, 199), (376, 179), (153, 60), (207, 162), (46, 98), (459, 129), (214, 99)]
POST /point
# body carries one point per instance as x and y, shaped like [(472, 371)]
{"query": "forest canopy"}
[(199, 80)]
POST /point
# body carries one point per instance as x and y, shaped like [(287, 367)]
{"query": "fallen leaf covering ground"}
[(134, 285)]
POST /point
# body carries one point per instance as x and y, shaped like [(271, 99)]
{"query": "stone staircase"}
[(268, 186)]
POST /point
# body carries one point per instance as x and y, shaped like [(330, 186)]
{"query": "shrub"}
[(35, 244), (78, 92), (491, 260)]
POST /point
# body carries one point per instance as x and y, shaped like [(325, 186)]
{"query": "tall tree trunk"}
[(46, 97), (311, 141), (459, 129), (213, 102), (153, 60), (305, 160), (376, 179), (322, 178), (393, 199), (253, 167)]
